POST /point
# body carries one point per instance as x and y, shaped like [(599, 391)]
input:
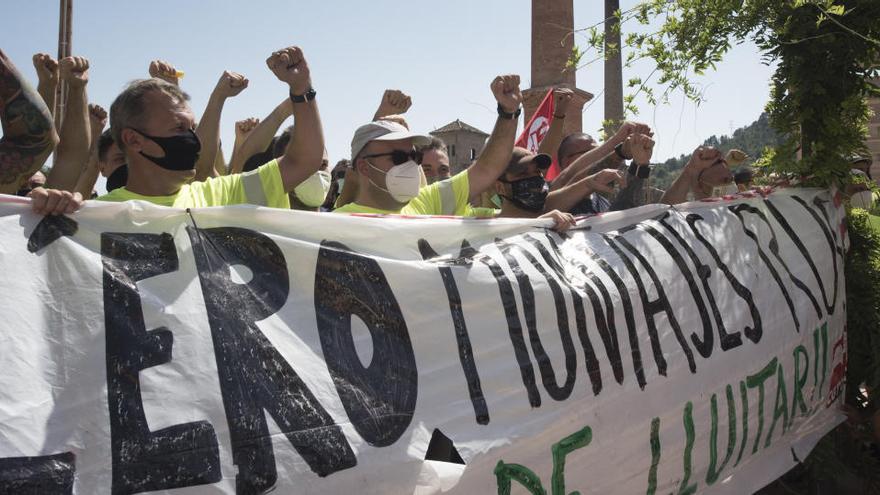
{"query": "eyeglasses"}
[(399, 157)]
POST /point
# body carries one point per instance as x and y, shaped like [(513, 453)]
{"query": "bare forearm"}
[(565, 198), (46, 91), (550, 144), (28, 131), (89, 176), (677, 193), (258, 140), (73, 149), (581, 167), (305, 151), (494, 158), (209, 134)]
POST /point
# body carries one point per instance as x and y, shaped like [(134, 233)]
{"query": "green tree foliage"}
[(826, 53)]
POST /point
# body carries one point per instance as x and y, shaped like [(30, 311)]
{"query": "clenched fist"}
[(97, 119), (163, 70), (230, 84), (244, 127), (394, 102), (506, 91), (641, 148), (290, 66), (707, 169), (561, 99), (75, 71), (47, 68)]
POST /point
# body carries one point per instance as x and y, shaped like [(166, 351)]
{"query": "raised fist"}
[(75, 71), (561, 99), (47, 68), (244, 127), (641, 147), (707, 169), (97, 118), (161, 69), (230, 84), (394, 102), (290, 66), (629, 128), (506, 91)]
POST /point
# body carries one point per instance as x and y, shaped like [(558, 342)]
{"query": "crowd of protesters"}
[(157, 150)]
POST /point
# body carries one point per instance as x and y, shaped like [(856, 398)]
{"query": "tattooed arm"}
[(28, 132)]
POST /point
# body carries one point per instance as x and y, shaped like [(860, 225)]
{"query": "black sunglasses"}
[(399, 157)]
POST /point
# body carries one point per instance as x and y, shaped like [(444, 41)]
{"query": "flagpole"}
[(65, 28)]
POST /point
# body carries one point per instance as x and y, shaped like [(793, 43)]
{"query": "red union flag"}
[(537, 128)]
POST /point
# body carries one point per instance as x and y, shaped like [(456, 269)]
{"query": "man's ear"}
[(362, 167), (132, 140)]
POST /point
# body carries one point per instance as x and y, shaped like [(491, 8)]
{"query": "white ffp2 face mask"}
[(402, 181), (312, 191)]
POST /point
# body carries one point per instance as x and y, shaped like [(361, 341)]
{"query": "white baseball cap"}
[(383, 130)]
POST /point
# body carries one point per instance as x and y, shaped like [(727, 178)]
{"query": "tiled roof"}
[(456, 126)]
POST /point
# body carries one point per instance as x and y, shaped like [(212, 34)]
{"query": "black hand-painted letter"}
[(379, 398), (254, 377), (143, 460)]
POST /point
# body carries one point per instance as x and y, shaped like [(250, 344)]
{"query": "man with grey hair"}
[(153, 125)]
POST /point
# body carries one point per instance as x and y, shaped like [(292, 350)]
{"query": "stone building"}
[(464, 143)]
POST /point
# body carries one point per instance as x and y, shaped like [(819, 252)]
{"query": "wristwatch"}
[(305, 97), (640, 171), (507, 115), (618, 150)]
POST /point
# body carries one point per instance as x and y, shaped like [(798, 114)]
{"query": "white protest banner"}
[(695, 349)]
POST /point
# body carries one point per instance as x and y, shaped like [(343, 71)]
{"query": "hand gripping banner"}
[(691, 349)]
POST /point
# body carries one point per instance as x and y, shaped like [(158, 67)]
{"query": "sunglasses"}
[(399, 157)]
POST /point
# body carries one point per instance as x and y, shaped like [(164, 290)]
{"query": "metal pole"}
[(64, 49)]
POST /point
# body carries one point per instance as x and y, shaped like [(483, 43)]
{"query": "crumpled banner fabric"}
[(698, 348)]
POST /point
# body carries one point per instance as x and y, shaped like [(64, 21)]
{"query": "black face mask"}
[(118, 178), (529, 194), (181, 150)]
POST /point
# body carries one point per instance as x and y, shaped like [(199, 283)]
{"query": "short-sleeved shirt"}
[(262, 187), (447, 197)]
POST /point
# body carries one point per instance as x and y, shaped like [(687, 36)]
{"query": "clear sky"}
[(442, 53)]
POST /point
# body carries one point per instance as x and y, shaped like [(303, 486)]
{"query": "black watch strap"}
[(507, 115), (640, 171), (307, 96)]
